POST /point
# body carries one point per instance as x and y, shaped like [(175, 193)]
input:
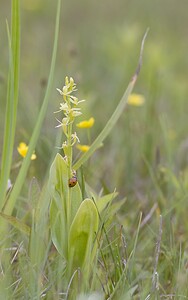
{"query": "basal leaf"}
[(58, 189), (76, 200), (58, 179), (65, 202), (58, 229), (82, 234)]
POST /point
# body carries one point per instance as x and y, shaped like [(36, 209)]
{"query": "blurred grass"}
[(145, 158), (99, 46)]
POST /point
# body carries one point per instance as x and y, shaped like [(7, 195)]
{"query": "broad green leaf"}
[(58, 229), (59, 182), (82, 234), (58, 189), (65, 202), (16, 223), (76, 200), (58, 179)]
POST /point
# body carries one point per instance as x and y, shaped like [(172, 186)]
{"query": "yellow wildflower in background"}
[(136, 100), (83, 148), (172, 134), (86, 123), (22, 150)]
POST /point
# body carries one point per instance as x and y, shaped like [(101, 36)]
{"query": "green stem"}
[(69, 149), (69, 158)]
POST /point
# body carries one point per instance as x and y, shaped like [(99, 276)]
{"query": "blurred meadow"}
[(145, 157), (98, 46)]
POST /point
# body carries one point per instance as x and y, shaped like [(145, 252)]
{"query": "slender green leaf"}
[(25, 165), (12, 99), (115, 116), (104, 201)]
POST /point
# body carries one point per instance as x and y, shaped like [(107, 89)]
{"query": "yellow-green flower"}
[(83, 148), (86, 123), (136, 100), (22, 150)]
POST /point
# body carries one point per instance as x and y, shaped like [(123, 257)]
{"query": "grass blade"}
[(16, 223), (115, 116), (26, 162), (12, 99)]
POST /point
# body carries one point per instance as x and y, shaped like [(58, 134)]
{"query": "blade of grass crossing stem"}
[(26, 162), (116, 115), (12, 98)]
